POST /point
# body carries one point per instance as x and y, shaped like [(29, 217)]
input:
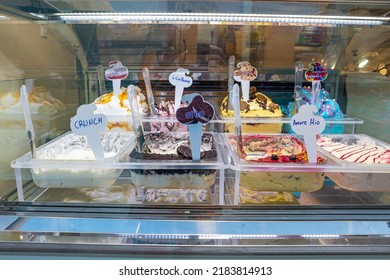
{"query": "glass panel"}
[(62, 56)]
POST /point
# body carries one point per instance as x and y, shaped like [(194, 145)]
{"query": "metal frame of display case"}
[(120, 231)]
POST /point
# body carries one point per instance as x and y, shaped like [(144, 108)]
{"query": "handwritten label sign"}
[(307, 124), (116, 73), (245, 74), (180, 81), (197, 113), (89, 124)]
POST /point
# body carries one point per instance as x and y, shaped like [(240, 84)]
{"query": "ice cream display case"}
[(147, 128)]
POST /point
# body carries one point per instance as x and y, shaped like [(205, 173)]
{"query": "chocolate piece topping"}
[(244, 106), (293, 157), (262, 100), (184, 151), (272, 107), (252, 92)]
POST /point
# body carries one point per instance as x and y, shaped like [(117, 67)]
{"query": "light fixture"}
[(41, 16), (216, 18), (363, 63)]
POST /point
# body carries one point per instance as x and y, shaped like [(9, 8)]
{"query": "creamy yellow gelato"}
[(258, 106)]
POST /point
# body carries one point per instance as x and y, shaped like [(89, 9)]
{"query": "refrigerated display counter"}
[(250, 194)]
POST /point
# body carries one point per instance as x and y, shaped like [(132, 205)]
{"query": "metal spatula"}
[(137, 122), (28, 120)]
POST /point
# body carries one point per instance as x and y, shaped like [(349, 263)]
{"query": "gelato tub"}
[(258, 106), (177, 196), (358, 151), (171, 153), (262, 197), (263, 161), (65, 154)]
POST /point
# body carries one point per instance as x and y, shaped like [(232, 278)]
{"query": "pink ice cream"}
[(166, 109)]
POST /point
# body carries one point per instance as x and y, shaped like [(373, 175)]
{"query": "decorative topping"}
[(316, 72), (262, 100), (272, 107), (244, 106), (293, 157), (252, 92), (274, 157), (184, 151)]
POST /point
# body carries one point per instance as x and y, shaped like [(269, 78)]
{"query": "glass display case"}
[(249, 194)]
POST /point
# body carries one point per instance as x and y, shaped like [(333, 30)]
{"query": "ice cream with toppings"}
[(166, 146), (117, 108), (277, 149), (258, 106)]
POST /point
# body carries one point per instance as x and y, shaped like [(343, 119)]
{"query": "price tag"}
[(180, 81), (307, 124), (197, 113), (89, 124)]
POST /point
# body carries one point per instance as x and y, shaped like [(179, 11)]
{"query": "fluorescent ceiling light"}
[(217, 18)]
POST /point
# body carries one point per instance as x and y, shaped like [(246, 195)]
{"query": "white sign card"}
[(197, 113), (180, 81), (89, 124), (309, 125)]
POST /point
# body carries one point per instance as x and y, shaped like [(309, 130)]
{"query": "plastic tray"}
[(168, 173), (274, 176), (53, 170), (373, 177), (101, 173)]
